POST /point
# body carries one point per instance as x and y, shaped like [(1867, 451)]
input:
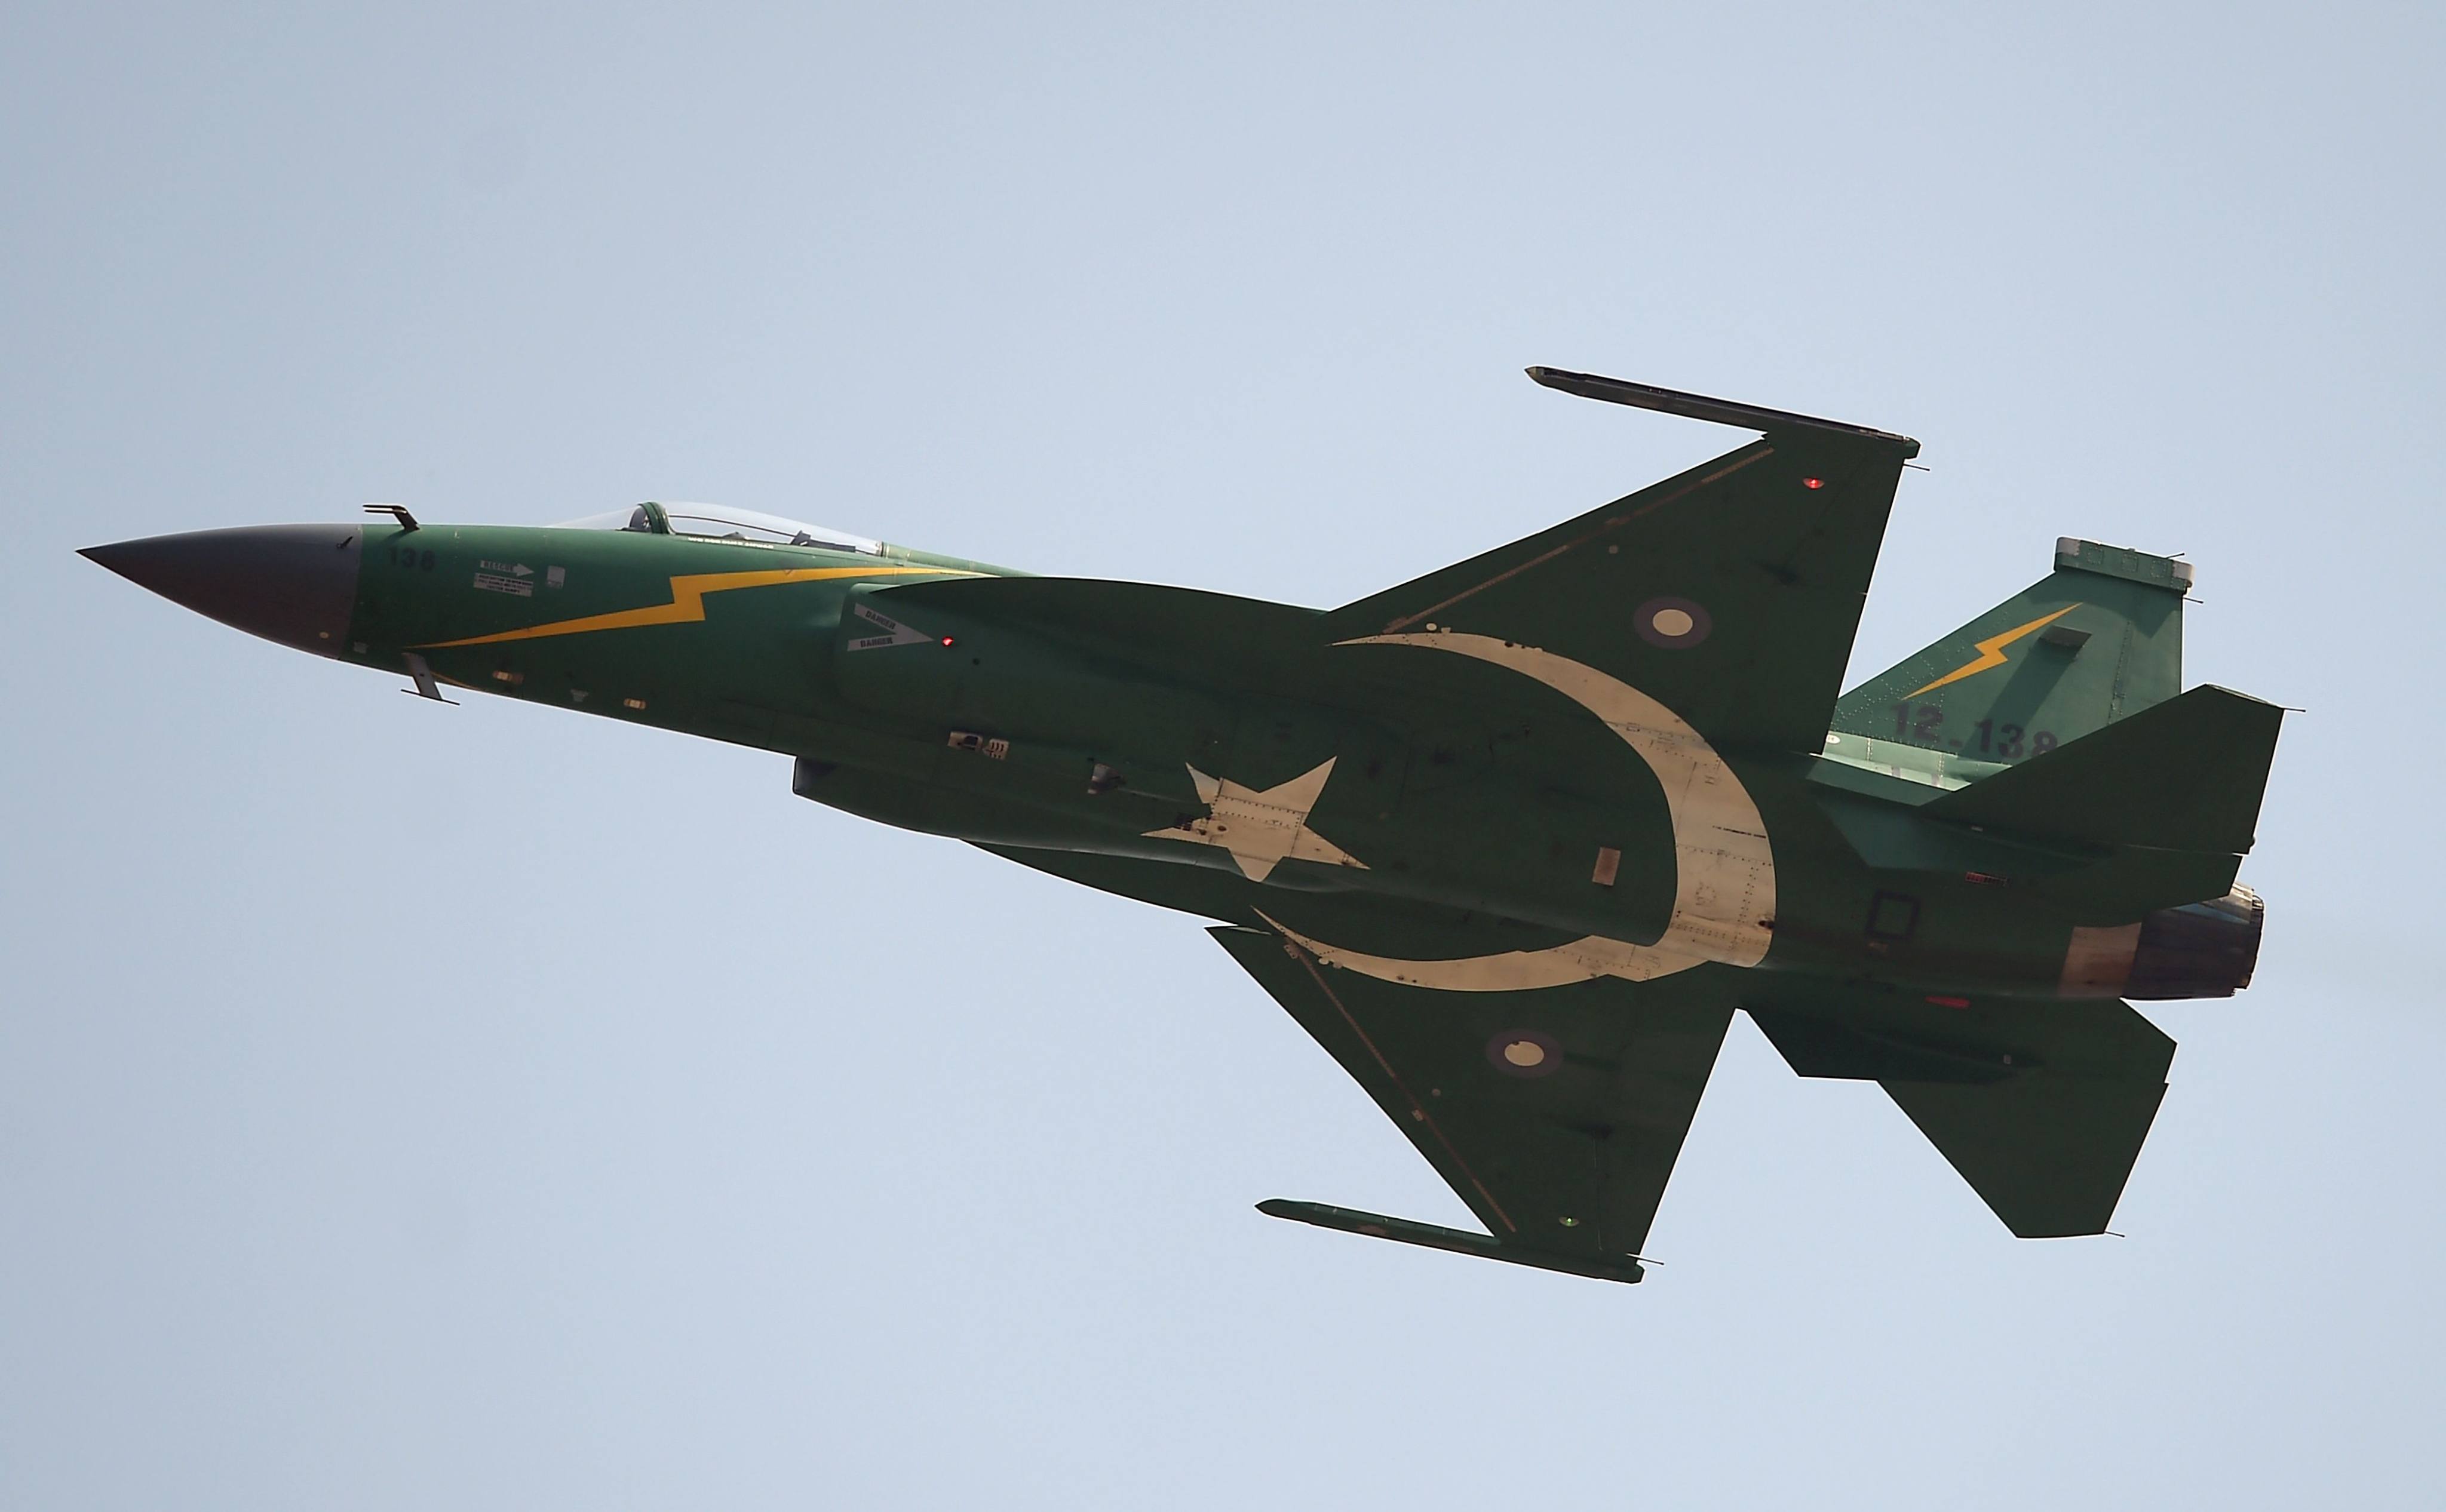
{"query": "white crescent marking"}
[(1723, 896)]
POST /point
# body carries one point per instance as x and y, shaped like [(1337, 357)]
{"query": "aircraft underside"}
[(1513, 841)]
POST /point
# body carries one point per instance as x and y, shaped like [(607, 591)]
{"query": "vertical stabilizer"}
[(2099, 639)]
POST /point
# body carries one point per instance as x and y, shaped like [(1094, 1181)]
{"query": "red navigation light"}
[(947, 640), (1812, 482), (1950, 1002)]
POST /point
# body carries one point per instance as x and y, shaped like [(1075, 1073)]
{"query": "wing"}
[(1556, 1114), (1730, 593), (2041, 1106)]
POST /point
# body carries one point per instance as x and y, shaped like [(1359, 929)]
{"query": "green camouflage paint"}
[(1515, 839)]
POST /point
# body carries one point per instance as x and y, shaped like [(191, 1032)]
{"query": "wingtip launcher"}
[(1699, 406), (1459, 1241)]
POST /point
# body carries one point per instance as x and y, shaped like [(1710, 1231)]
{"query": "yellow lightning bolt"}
[(687, 601), (1991, 652)]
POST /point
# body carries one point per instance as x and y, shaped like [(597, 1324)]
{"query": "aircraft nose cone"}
[(293, 584)]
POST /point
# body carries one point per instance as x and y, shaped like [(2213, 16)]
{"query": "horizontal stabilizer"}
[(2185, 775), (2041, 1106), (1851, 1032), (1842, 1048), (1459, 1241), (2049, 1154)]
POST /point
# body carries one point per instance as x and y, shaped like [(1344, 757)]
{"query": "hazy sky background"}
[(487, 1107)]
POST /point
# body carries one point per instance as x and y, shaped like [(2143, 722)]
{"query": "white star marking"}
[(1261, 827)]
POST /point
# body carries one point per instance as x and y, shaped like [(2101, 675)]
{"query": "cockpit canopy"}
[(721, 523)]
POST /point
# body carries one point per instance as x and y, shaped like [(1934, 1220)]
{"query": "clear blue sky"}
[(410, 1107)]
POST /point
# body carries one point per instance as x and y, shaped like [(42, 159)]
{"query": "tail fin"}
[(2099, 639), (2185, 775)]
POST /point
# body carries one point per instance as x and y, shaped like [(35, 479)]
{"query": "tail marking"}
[(1991, 652)]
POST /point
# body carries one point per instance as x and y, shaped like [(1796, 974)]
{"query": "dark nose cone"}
[(293, 584)]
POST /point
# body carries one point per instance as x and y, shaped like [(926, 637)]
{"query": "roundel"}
[(1525, 1052), (1676, 624)]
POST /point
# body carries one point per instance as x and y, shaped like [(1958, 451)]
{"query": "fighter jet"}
[(1512, 841)]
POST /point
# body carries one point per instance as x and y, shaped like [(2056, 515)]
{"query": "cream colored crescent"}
[(1723, 896)]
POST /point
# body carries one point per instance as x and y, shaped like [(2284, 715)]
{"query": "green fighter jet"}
[(1510, 840)]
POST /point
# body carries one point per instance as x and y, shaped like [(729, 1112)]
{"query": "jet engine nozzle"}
[(293, 584), (2198, 950)]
